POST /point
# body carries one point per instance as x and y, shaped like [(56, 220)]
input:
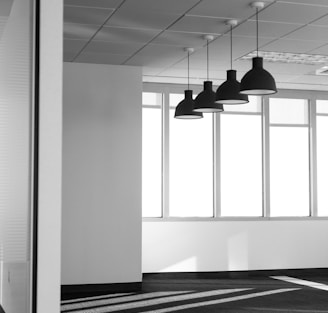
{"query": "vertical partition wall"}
[(16, 153)]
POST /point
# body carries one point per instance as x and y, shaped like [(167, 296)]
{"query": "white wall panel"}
[(233, 245), (101, 240)]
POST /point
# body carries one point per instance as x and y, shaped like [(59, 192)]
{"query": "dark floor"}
[(217, 292)]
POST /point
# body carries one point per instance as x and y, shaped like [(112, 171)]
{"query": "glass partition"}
[(16, 107)]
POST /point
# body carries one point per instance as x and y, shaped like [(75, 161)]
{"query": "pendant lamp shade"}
[(184, 109), (229, 91), (258, 81), (205, 101)]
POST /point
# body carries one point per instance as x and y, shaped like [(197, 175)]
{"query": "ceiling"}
[(153, 33)]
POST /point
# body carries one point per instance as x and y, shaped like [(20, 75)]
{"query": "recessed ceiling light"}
[(287, 57)]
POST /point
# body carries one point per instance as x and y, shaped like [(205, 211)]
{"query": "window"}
[(152, 155), (322, 156), (266, 158), (191, 164), (241, 159), (289, 157)]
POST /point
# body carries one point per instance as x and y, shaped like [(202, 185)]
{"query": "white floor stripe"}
[(96, 297), (225, 300), (144, 303), (302, 282), (129, 298)]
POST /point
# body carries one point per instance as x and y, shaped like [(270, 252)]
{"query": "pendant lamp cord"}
[(188, 68), (257, 32), (231, 47), (207, 60)]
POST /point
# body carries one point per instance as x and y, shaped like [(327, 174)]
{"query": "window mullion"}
[(166, 154), (217, 164), (313, 157), (266, 156)]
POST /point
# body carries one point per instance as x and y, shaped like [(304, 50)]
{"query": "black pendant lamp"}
[(184, 109), (205, 101), (258, 81), (229, 91)]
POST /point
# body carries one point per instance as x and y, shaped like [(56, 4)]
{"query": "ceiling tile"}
[(116, 34), (321, 21), (292, 13), (289, 45), (167, 6), (320, 50), (157, 56), (219, 53), (110, 4), (79, 31), (194, 73), (309, 2), (101, 58), (151, 70), (81, 15), (198, 62), (69, 56), (236, 9), (310, 33), (199, 24), (112, 47), (287, 68), (73, 45), (242, 45), (266, 29), (144, 19), (180, 39)]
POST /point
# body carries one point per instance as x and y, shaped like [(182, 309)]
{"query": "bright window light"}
[(322, 106), (191, 165), (241, 165), (288, 111), (289, 158), (152, 155), (322, 165)]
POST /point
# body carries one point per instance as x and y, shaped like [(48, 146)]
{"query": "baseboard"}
[(308, 272), (89, 290)]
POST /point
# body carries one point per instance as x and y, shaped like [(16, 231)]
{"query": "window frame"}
[(310, 96), (323, 96)]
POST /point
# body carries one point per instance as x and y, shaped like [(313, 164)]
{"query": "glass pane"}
[(16, 107), (241, 165), (253, 106), (322, 165), (152, 160), (288, 111), (289, 171), (322, 106), (151, 98), (191, 165)]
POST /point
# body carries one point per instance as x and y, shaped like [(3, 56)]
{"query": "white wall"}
[(234, 245), (101, 236)]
